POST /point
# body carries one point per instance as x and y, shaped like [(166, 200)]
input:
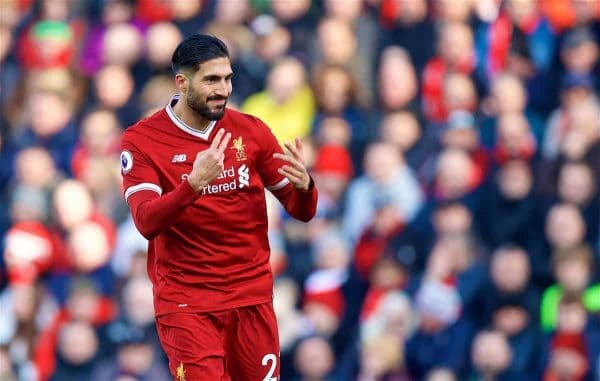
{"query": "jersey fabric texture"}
[(208, 250)]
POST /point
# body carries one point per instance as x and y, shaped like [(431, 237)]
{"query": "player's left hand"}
[(296, 171)]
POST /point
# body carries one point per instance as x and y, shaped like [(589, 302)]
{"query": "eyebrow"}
[(216, 76)]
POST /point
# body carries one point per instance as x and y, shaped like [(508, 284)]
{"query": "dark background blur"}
[(455, 145)]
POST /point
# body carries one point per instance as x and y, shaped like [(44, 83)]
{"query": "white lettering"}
[(229, 172), (244, 176), (216, 188)]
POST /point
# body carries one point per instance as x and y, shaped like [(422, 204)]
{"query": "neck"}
[(189, 116)]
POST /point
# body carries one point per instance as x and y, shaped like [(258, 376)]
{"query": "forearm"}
[(153, 214), (300, 204)]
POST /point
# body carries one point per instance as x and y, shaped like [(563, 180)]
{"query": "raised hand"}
[(208, 164), (295, 171)]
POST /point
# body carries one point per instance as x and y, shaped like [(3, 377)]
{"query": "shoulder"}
[(247, 121), (138, 132)]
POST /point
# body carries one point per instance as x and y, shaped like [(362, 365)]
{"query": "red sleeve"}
[(152, 212), (300, 204)]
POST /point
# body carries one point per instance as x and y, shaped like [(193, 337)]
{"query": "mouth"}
[(219, 101)]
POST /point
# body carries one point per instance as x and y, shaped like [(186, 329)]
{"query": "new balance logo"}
[(179, 158), (244, 176)]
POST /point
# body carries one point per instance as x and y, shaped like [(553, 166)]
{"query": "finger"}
[(224, 143), (292, 170), (299, 145), (294, 179), (217, 139), (289, 159), (293, 151)]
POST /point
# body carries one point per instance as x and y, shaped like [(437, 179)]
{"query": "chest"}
[(173, 160)]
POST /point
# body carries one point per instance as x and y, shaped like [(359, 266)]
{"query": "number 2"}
[(270, 357)]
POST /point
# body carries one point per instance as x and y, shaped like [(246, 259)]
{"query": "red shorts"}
[(238, 344)]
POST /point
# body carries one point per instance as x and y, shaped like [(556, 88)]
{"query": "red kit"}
[(208, 251)]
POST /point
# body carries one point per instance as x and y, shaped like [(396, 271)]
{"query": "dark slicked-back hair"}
[(196, 49)]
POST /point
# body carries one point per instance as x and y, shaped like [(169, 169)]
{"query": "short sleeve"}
[(136, 170)]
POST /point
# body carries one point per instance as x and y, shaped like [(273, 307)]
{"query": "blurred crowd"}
[(455, 145)]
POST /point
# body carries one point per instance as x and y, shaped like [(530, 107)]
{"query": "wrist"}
[(196, 185), (308, 186)]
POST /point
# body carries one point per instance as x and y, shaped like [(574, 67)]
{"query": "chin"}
[(219, 113)]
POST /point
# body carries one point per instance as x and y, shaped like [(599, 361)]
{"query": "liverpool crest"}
[(239, 146)]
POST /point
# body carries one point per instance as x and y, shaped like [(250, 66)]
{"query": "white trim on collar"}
[(183, 126)]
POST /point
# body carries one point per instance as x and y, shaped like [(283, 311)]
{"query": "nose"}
[(222, 89)]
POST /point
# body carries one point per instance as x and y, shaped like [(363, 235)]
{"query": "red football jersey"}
[(208, 251)]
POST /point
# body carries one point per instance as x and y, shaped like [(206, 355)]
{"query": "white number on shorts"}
[(270, 357)]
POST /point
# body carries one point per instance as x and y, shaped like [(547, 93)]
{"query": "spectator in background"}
[(573, 270), (515, 319), (441, 374), (293, 325), (314, 360), (114, 89), (272, 43), (565, 227), (573, 346), (442, 336), (35, 172), (458, 94), (460, 132), (332, 171), (512, 208), (519, 24), (298, 18), (363, 26), (514, 139), (324, 303), (402, 129), (50, 125), (77, 350), (381, 360), (397, 83), (287, 103), (122, 45), (386, 175), (138, 355), (113, 12), (21, 303), (578, 185), (456, 177), (94, 160), (9, 72), (455, 54), (337, 45), (406, 24), (336, 94), (579, 53), (160, 40), (491, 356), (156, 93), (577, 89), (508, 96)]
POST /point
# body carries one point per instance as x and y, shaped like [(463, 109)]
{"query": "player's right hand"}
[(208, 164)]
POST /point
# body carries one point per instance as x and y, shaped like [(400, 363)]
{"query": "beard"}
[(195, 102)]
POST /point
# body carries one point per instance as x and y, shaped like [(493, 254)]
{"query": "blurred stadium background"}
[(455, 144)]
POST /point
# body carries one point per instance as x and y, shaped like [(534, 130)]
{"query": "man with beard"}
[(194, 175)]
